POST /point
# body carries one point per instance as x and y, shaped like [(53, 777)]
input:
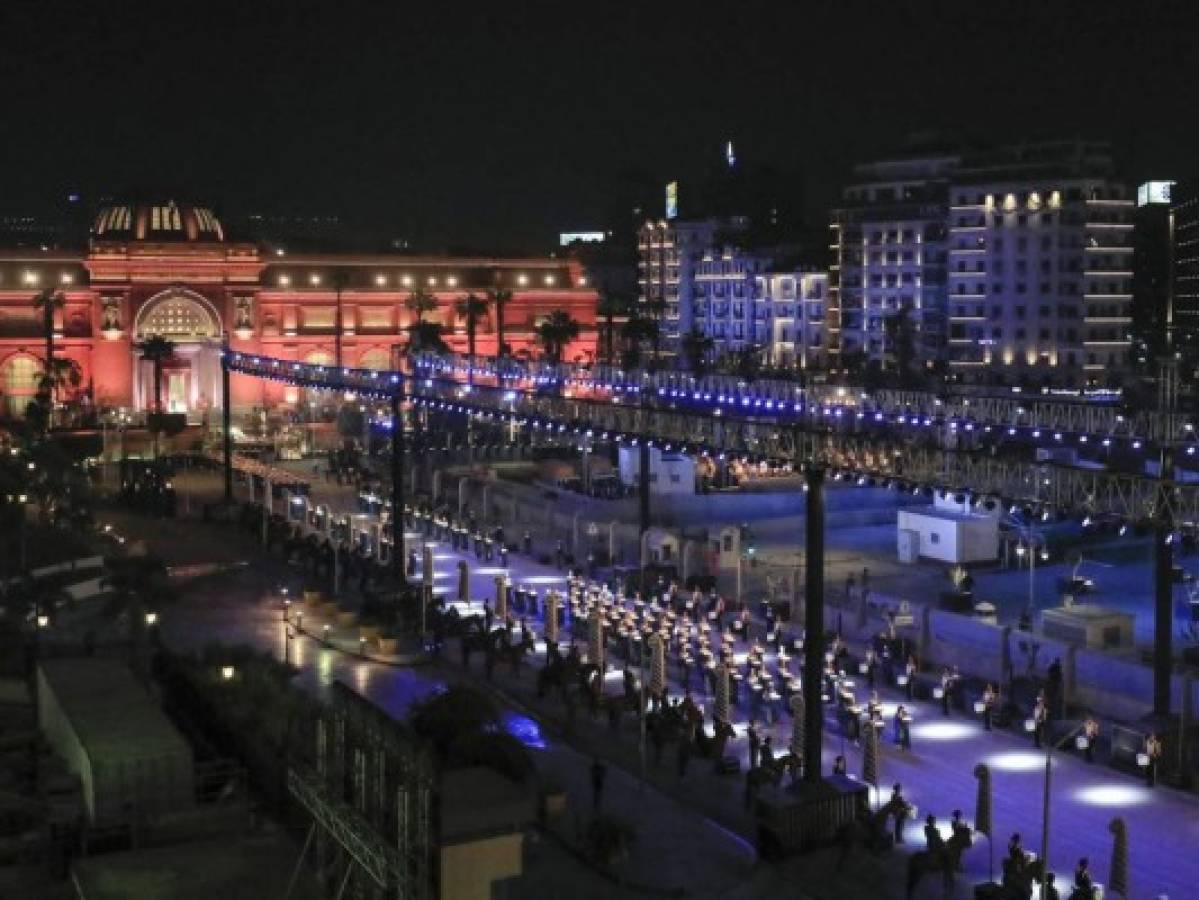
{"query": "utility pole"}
[(813, 656), (226, 421), (397, 482)]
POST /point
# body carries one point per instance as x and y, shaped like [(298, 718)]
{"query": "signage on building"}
[(672, 200), (1154, 193), (566, 238)]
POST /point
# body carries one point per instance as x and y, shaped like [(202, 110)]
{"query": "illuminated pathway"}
[(1163, 824)]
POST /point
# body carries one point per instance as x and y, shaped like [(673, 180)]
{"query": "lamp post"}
[(1050, 746)]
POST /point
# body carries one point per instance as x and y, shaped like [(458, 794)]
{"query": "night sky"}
[(501, 127)]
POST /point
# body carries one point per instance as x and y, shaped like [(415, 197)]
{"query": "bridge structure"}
[(980, 452)]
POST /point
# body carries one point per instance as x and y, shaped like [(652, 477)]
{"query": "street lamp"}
[(227, 673), (151, 618), (1049, 748)]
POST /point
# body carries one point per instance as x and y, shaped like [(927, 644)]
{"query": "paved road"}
[(1163, 824)]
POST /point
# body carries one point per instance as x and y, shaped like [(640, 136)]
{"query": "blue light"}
[(525, 730)]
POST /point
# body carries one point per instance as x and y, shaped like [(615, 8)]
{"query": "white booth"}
[(951, 537)]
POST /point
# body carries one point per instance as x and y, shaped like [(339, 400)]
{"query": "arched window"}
[(319, 358), (377, 359), (178, 318), (19, 379)]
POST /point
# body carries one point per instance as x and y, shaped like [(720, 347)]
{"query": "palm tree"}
[(471, 309), (556, 331), (609, 308), (426, 337), (499, 297), (158, 350), (48, 301), (420, 302), (637, 330), (657, 310), (696, 347)]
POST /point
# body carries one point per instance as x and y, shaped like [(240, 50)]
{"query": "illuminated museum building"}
[(170, 270)]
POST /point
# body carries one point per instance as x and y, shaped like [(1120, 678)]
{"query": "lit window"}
[(451, 281), (314, 279), (30, 277), (432, 281), (380, 280), (284, 280), (522, 279), (66, 278), (549, 280), (582, 281), (406, 281)]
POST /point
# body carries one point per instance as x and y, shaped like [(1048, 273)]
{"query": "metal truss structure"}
[(854, 447)]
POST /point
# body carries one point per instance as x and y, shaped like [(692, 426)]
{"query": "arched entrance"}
[(191, 378), (18, 383)]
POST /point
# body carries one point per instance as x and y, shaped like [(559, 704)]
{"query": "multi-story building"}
[(170, 270), (1152, 306), (889, 252), (1184, 214), (669, 252), (789, 318), (1040, 266)]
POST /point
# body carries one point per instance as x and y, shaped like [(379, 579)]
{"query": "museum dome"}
[(165, 221)]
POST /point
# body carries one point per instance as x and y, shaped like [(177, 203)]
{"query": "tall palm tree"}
[(339, 280), (158, 350), (639, 329), (426, 336), (499, 297), (420, 302), (610, 307), (556, 331), (48, 301), (656, 306), (471, 309)]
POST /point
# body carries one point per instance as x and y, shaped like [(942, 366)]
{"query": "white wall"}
[(953, 540)]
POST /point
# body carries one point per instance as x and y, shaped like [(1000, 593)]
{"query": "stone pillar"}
[(485, 512), (463, 486), (427, 566), (595, 640), (613, 542), (376, 532), (552, 602), (721, 710), (501, 597), (657, 670), (436, 486)]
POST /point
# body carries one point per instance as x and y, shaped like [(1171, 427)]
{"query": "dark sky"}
[(503, 123)]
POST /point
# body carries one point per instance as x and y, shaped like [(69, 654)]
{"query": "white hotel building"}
[(1040, 266)]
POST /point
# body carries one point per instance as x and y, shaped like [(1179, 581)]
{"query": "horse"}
[(1019, 875), (869, 829), (945, 861)]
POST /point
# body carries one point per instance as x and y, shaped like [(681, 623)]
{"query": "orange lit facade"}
[(170, 270)]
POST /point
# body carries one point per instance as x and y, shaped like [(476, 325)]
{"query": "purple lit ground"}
[(681, 848)]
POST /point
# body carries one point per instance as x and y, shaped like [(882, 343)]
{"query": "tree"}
[(427, 337), (499, 297), (158, 350), (471, 309), (138, 584), (420, 302), (611, 306), (656, 307), (638, 330), (696, 347), (556, 331), (48, 301)]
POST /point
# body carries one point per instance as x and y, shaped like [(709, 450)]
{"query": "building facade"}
[(1184, 225), (1040, 266), (170, 270), (888, 242)]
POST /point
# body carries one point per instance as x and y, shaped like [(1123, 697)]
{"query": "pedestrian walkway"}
[(937, 774)]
